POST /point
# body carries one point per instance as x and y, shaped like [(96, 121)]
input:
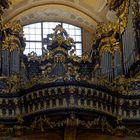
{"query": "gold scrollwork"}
[(106, 32), (11, 41)]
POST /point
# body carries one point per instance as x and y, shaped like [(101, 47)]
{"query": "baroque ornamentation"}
[(4, 4), (121, 8), (12, 36), (61, 81), (107, 38), (58, 62), (43, 122), (108, 34)]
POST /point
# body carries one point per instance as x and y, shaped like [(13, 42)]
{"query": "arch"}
[(65, 11)]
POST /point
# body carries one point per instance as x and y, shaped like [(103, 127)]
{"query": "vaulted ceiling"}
[(84, 13)]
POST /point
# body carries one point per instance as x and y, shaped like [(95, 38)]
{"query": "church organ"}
[(67, 94)]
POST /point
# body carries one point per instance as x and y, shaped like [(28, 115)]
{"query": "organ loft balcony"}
[(57, 90)]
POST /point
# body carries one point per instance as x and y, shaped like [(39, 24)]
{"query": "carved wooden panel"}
[(40, 137), (91, 136)]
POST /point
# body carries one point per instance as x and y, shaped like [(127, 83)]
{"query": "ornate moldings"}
[(12, 36), (107, 38), (59, 82), (4, 4), (136, 13), (5, 130), (121, 8), (113, 5), (126, 86), (108, 34), (70, 124), (58, 62), (43, 122), (72, 98)]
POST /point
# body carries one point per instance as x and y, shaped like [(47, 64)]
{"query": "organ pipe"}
[(128, 41), (115, 64)]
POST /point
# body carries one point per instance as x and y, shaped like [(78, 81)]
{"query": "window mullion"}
[(42, 35), (39, 43)]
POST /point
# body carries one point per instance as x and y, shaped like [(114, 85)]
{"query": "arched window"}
[(34, 34)]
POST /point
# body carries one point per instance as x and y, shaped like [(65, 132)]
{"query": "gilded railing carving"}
[(42, 123), (60, 80)]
